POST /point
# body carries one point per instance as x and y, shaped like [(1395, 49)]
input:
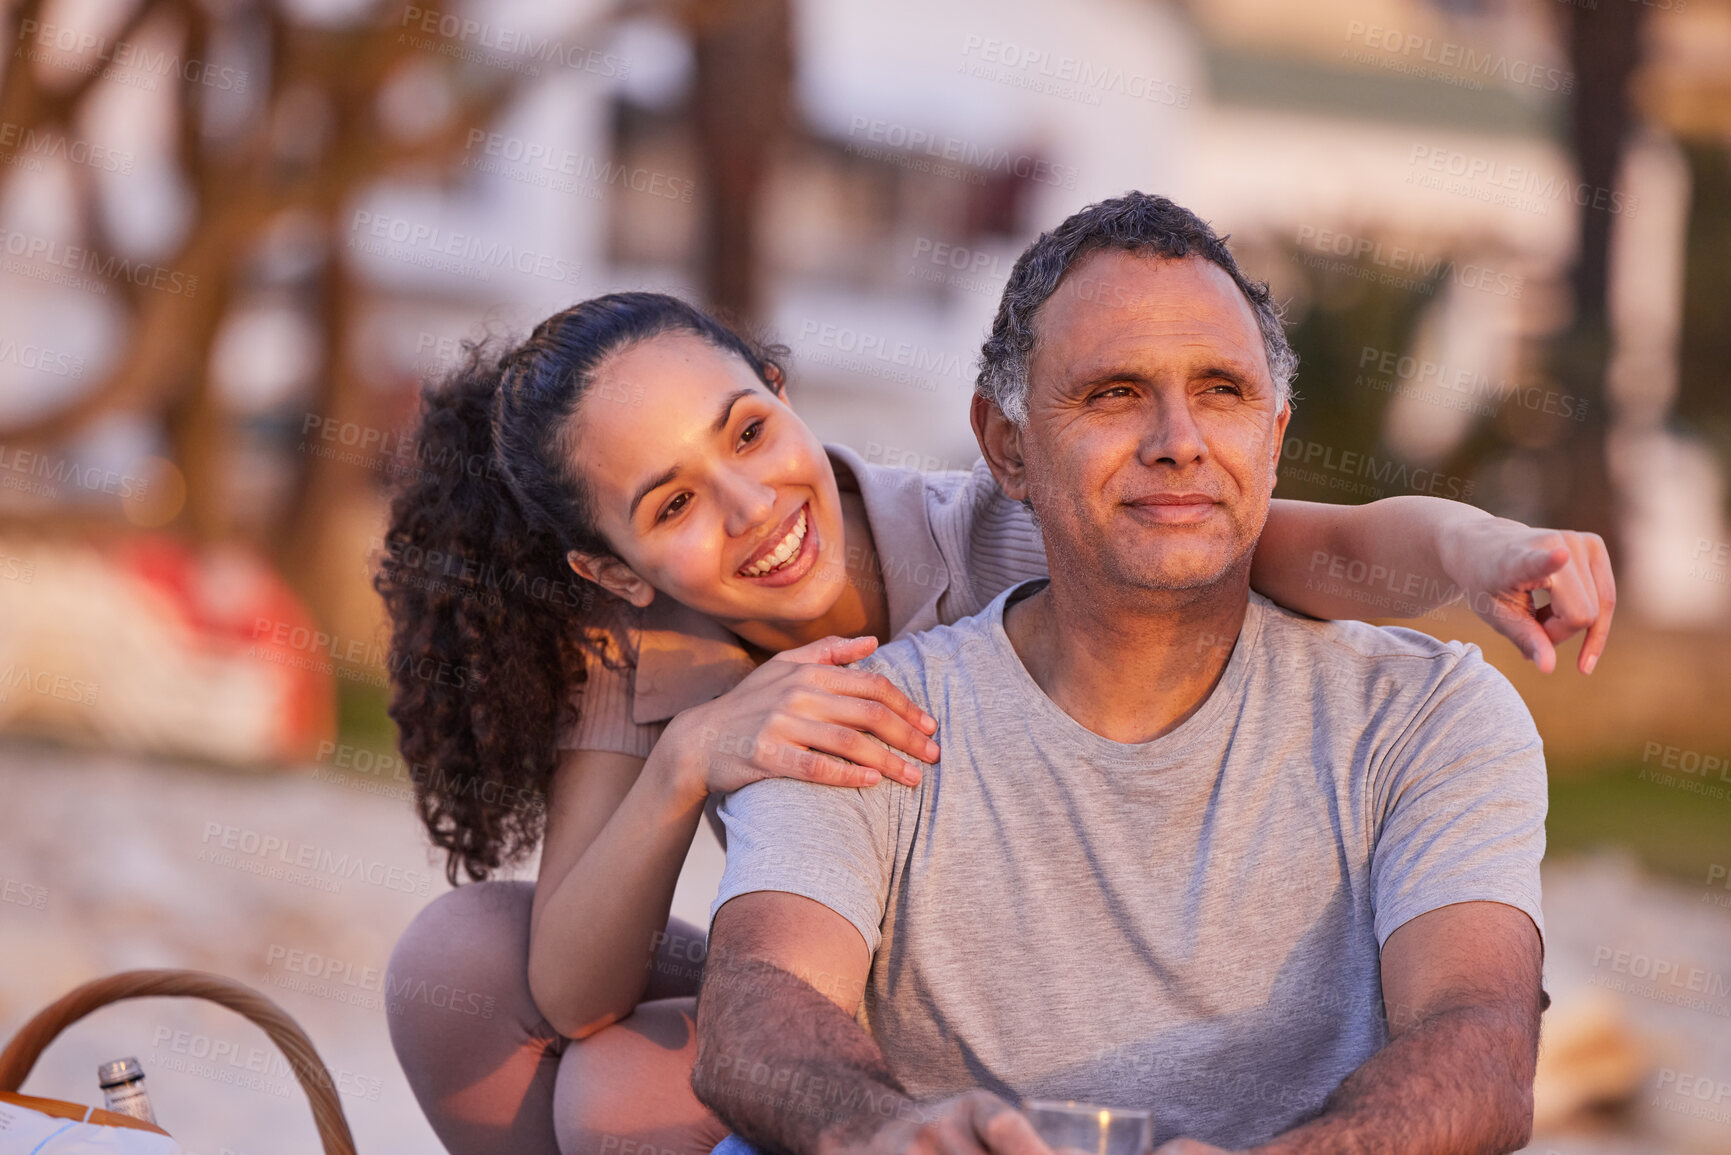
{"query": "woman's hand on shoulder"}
[(804, 714), (1498, 564)]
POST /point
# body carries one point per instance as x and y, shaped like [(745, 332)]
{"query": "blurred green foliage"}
[(1345, 311), (1672, 831), (1704, 348), (361, 718)]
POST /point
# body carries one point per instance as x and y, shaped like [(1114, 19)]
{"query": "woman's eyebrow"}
[(727, 404), (648, 487)]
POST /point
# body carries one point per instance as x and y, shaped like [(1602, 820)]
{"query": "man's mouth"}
[(1172, 508), (776, 555)]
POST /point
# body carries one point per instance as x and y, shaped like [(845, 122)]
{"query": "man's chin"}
[(1185, 571)]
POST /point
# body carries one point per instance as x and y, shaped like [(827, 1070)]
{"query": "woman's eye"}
[(752, 432), (673, 507)]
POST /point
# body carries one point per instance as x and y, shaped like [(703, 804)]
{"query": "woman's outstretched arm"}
[(1402, 557)]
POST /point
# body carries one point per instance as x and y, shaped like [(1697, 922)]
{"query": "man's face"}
[(1153, 431)]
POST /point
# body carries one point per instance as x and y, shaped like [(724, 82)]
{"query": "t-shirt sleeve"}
[(604, 698), (1462, 803), (830, 844), (826, 843)]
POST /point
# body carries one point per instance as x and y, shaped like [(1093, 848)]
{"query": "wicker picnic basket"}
[(315, 1079)]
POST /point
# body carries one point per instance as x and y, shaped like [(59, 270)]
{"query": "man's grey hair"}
[(1134, 223)]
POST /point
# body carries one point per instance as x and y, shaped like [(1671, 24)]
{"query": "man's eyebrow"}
[(1105, 377), (720, 423), (1231, 370)]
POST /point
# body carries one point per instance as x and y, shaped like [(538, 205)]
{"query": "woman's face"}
[(708, 487)]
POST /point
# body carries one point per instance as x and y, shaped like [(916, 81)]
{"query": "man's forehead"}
[(1113, 299), (1119, 279)]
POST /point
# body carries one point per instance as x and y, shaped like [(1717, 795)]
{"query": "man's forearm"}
[(1459, 1082), (786, 1067)]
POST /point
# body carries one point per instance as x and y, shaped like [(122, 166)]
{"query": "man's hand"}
[(1190, 1147), (977, 1123), (1498, 564)]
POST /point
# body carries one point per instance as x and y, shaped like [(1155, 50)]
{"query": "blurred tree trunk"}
[(741, 100), (276, 157), (1704, 352), (1604, 44), (314, 533)]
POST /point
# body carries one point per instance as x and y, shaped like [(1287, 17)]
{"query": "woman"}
[(729, 571)]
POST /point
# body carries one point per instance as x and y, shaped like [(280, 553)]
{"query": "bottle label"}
[(130, 1099)]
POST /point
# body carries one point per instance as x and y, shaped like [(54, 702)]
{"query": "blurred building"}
[(1398, 169)]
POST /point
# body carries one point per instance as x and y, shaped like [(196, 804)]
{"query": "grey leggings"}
[(493, 1076)]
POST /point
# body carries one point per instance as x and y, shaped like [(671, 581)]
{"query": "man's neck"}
[(1128, 665)]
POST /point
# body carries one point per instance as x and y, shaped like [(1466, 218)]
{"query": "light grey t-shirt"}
[(1190, 924)]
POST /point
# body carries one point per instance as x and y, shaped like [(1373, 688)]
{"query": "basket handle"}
[(315, 1079)]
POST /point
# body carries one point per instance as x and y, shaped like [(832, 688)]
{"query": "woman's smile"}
[(785, 555)]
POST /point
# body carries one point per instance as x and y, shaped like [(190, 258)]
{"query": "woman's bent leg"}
[(478, 1054), (627, 1089)]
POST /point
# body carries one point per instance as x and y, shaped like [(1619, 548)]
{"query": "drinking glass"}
[(1072, 1128)]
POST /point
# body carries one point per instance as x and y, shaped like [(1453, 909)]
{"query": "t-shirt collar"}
[(685, 657), (1212, 713)]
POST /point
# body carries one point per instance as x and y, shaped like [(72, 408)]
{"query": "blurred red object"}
[(150, 645)]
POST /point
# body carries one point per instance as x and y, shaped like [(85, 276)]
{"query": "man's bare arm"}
[(1461, 986), (794, 1030), (781, 1060)]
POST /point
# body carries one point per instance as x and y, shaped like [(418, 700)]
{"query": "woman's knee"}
[(480, 930), (626, 1090), (460, 972)]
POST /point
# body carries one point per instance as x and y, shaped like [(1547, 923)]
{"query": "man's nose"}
[(748, 502), (1172, 436)]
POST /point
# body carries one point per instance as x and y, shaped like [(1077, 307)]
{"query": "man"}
[(1275, 879)]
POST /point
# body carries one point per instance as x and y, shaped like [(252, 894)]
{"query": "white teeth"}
[(779, 556)]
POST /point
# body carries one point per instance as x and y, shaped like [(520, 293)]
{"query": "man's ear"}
[(1281, 420), (612, 575), (1001, 445)]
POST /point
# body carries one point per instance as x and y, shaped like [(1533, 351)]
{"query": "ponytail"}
[(481, 668), (489, 624)]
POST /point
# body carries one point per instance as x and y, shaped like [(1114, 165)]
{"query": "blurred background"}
[(237, 235)]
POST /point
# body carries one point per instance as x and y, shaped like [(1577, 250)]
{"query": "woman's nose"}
[(749, 503)]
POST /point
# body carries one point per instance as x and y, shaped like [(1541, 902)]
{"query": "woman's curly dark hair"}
[(487, 618)]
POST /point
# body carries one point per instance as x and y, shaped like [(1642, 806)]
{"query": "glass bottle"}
[(122, 1083)]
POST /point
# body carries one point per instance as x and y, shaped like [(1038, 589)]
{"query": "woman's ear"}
[(772, 373), (612, 575)]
